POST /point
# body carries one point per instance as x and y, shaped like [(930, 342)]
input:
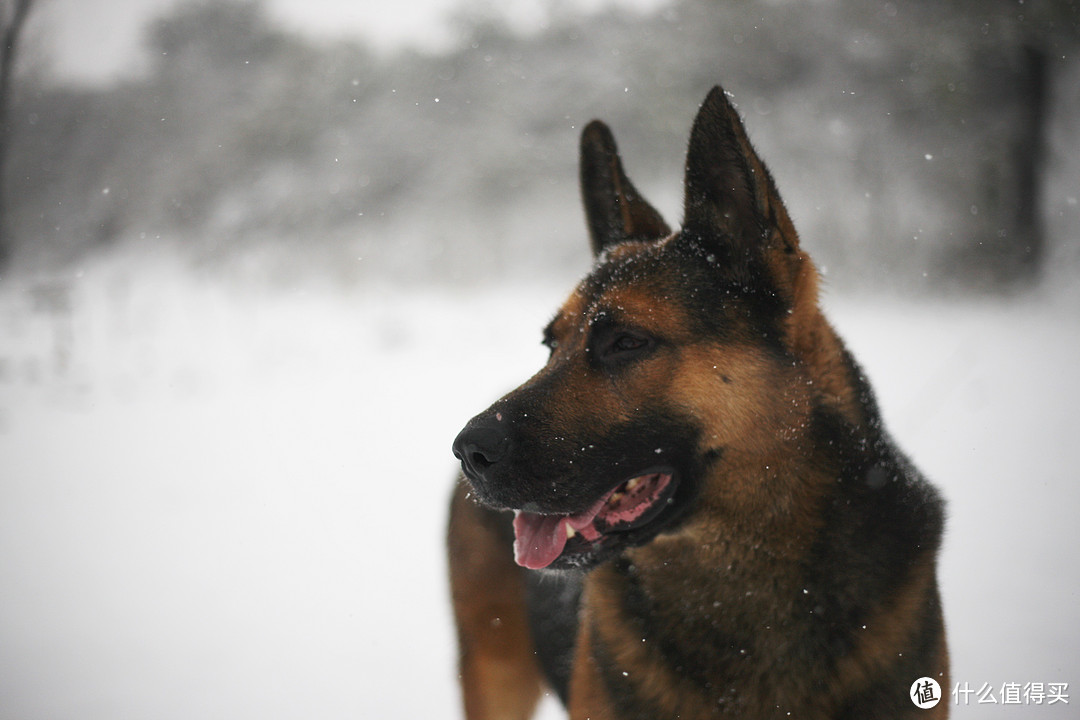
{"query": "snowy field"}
[(229, 503)]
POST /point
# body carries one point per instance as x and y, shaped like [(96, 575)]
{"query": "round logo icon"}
[(925, 693)]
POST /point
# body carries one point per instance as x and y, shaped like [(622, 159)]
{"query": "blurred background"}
[(924, 143), (259, 260)]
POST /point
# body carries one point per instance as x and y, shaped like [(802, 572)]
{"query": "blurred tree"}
[(1012, 50), (213, 34), (1041, 33), (12, 17)]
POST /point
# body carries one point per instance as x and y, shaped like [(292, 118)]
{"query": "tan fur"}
[(499, 676), (889, 630)]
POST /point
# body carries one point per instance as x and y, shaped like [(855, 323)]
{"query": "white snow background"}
[(220, 501)]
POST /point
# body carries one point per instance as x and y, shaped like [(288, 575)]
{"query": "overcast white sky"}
[(93, 40)]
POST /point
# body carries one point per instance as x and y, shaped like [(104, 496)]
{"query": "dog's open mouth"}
[(539, 540)]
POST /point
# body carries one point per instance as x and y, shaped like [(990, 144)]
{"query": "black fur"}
[(553, 599)]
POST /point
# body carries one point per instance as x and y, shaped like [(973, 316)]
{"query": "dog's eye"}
[(628, 343), (623, 345)]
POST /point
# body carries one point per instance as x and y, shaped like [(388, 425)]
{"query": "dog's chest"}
[(725, 640)]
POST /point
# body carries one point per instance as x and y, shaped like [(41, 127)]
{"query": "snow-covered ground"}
[(229, 503)]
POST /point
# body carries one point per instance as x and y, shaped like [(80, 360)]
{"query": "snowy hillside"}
[(229, 503)]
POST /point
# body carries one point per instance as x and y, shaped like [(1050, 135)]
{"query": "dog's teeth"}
[(633, 483), (615, 497), (570, 532)]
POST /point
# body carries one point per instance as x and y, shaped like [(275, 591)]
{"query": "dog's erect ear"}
[(734, 213), (732, 207), (614, 210)]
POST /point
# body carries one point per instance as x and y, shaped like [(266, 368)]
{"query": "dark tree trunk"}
[(13, 23), (1029, 158)]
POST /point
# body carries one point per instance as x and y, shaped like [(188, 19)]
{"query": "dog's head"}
[(680, 354)]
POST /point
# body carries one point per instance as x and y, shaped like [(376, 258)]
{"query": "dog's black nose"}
[(480, 445)]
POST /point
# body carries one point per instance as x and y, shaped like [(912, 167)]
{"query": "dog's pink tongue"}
[(539, 539)]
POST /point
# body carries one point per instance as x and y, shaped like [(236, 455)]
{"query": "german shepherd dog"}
[(693, 509)]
